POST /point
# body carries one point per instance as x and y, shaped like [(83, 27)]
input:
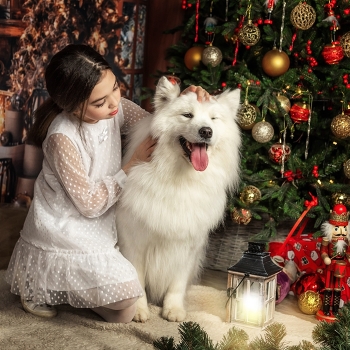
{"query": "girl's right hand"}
[(142, 153)]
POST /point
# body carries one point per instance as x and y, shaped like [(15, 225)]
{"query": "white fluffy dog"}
[(170, 204)]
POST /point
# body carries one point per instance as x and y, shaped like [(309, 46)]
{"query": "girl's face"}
[(104, 99)]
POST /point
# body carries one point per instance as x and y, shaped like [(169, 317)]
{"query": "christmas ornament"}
[(340, 126), (284, 103), (193, 57), (262, 132), (339, 198), (275, 62), (300, 112), (308, 281), (211, 55), (278, 151), (333, 53), (250, 194), (303, 16), (241, 216), (345, 44), (347, 168), (269, 5), (249, 35), (5, 138), (246, 116), (309, 302)]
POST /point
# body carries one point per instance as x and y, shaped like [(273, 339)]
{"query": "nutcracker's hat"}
[(339, 215)]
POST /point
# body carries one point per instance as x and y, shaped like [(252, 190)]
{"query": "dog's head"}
[(190, 128)]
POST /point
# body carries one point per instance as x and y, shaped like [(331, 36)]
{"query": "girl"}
[(67, 252)]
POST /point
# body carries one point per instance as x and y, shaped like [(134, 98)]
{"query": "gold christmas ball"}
[(284, 102), (249, 34), (345, 44), (241, 216), (303, 16), (193, 57), (339, 198), (262, 132), (246, 116), (309, 302), (275, 63), (211, 55), (340, 126), (250, 194), (347, 168)]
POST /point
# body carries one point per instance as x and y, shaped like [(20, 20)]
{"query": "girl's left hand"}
[(202, 95)]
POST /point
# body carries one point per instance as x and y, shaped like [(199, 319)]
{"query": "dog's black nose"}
[(206, 133)]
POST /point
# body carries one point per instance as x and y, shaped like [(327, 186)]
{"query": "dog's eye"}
[(188, 115)]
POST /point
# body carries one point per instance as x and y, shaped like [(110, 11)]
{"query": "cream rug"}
[(83, 329)]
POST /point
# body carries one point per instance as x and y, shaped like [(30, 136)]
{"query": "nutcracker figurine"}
[(335, 252)]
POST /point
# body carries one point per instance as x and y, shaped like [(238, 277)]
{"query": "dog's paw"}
[(141, 315), (174, 314)]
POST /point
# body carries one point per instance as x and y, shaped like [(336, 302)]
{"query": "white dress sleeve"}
[(91, 198), (132, 114)]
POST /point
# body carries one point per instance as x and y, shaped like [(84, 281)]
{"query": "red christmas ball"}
[(300, 112), (309, 281), (276, 152), (340, 209), (333, 53)]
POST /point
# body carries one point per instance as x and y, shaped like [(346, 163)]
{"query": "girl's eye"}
[(101, 104), (116, 88)]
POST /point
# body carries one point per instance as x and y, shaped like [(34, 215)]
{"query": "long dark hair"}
[(70, 78)]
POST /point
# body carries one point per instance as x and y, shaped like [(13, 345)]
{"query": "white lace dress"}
[(66, 252)]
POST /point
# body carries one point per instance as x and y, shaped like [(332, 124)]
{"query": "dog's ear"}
[(232, 99), (166, 91)]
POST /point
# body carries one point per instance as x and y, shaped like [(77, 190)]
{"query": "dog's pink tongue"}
[(199, 156)]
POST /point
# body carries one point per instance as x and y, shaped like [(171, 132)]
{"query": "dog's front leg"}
[(142, 311), (173, 303)]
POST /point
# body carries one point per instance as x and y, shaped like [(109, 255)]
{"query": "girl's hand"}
[(202, 95), (142, 153)]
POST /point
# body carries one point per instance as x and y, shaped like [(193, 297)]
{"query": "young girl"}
[(67, 252)]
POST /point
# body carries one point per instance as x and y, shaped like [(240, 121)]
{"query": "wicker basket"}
[(228, 242)]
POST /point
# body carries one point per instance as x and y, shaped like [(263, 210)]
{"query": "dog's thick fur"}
[(167, 207)]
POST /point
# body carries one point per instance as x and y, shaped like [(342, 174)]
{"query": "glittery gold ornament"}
[(347, 168), (241, 216), (211, 55), (275, 62), (262, 132), (284, 102), (345, 44), (303, 16), (246, 116), (309, 302), (249, 34), (193, 57), (339, 198), (250, 194), (340, 126)]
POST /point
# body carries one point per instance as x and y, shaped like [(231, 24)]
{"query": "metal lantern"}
[(251, 287)]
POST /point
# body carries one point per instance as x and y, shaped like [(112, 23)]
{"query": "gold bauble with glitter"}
[(275, 62), (246, 116), (347, 168), (345, 44), (262, 132), (193, 57), (339, 198), (309, 302), (340, 126), (211, 55), (250, 194), (241, 216), (249, 34), (284, 102), (303, 16)]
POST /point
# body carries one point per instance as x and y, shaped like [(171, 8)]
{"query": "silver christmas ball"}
[(262, 132), (211, 55)]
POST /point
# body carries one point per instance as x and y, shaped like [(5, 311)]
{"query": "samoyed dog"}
[(169, 205)]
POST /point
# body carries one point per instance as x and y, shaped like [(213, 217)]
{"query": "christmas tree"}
[(291, 62)]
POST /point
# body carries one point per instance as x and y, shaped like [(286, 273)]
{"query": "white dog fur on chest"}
[(169, 205)]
